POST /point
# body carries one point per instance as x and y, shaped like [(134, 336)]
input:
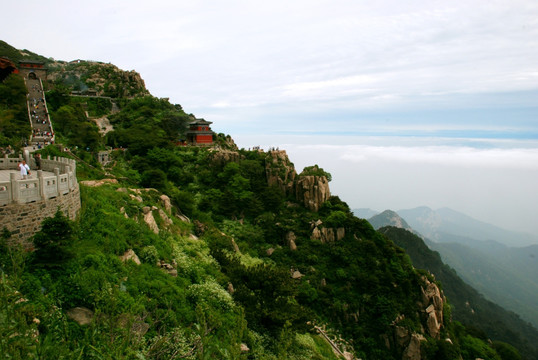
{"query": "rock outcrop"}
[(81, 315), (280, 171), (326, 235), (221, 157), (433, 300), (103, 79), (290, 240), (312, 191), (412, 351), (130, 255)]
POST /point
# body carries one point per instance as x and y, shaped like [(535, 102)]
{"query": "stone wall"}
[(24, 220)]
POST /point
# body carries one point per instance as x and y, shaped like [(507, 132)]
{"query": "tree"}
[(53, 242)]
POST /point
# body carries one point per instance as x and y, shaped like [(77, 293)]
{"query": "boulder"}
[(327, 235), (167, 221), (280, 171), (340, 233), (312, 191), (244, 347), (95, 183), (412, 352), (81, 315), (434, 328), (130, 255), (401, 336), (183, 218), (316, 234), (165, 200), (290, 240), (296, 274), (270, 251), (150, 220)]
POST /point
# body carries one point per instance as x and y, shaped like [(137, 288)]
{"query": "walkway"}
[(42, 133), (5, 174)]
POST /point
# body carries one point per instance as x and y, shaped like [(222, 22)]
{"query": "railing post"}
[(15, 189), (57, 174), (67, 169), (41, 184)]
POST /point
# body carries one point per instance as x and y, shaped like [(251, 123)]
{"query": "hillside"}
[(468, 305), (479, 253), (447, 225), (389, 218), (198, 252)]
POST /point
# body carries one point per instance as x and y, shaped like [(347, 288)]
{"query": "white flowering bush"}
[(211, 293)]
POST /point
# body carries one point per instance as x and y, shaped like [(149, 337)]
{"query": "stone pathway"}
[(4, 174)]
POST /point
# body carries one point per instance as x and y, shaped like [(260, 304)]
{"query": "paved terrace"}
[(57, 177)]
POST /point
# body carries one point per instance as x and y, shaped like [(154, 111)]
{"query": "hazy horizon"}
[(406, 104)]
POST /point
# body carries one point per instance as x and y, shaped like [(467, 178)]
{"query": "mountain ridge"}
[(198, 252)]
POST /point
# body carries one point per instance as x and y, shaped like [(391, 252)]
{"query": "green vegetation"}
[(15, 55), (14, 124), (315, 171), (233, 264), (469, 307)]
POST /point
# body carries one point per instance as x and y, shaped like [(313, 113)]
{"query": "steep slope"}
[(364, 213), (214, 253), (447, 225), (468, 306), (389, 218), (508, 278)]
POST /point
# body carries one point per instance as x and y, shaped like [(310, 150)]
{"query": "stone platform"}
[(5, 174)]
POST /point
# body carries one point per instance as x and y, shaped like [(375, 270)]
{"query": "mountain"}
[(468, 305), (364, 213), (14, 54), (505, 275), (447, 225), (204, 252), (389, 218)]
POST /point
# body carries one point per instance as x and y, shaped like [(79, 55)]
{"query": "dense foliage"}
[(469, 307), (232, 272), (14, 124)]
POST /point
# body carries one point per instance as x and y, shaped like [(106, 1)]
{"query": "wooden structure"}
[(199, 133)]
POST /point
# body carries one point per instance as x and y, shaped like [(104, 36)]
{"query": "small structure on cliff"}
[(32, 69), (199, 133), (24, 204)]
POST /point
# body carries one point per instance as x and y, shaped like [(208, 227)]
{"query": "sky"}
[(406, 103)]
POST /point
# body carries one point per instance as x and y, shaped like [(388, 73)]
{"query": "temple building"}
[(199, 133), (33, 69)]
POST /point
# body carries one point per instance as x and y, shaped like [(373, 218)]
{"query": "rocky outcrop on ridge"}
[(280, 171), (221, 157), (103, 79), (312, 191)]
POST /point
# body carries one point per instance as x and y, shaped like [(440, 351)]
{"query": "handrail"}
[(42, 187)]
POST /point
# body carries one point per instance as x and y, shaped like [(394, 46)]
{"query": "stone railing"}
[(40, 187)]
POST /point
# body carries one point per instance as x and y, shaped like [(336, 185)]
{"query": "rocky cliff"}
[(310, 190), (96, 78), (280, 171)]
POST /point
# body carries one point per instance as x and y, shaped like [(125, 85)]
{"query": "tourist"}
[(25, 170), (38, 161)]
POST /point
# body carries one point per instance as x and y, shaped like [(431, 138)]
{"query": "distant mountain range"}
[(468, 305), (448, 225), (478, 251)]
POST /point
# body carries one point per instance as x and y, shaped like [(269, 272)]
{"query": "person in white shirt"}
[(25, 170)]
